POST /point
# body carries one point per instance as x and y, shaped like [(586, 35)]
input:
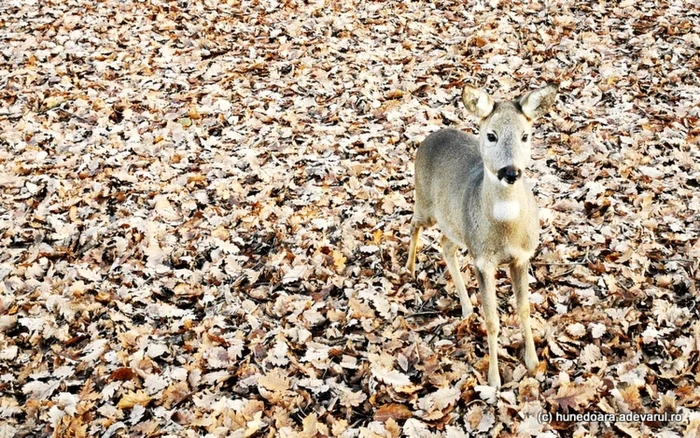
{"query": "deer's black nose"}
[(510, 173)]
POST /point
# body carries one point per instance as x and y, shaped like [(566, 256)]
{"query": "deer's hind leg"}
[(418, 222)]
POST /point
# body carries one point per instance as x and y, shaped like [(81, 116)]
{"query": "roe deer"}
[(474, 190)]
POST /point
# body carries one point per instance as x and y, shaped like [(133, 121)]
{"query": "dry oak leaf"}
[(253, 426), (631, 396), (572, 396), (393, 428), (39, 390), (221, 232), (590, 354), (351, 399), (312, 428), (9, 353), (692, 430), (132, 399), (295, 274), (166, 210), (275, 381), (598, 330), (339, 261), (174, 394), (630, 429), (576, 330), (360, 309), (391, 377), (338, 427), (487, 393), (277, 355), (393, 411), (122, 374), (71, 427), (440, 399), (416, 429), (478, 420), (530, 426)]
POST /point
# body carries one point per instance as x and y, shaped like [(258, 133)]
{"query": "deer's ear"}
[(477, 102), (536, 103)]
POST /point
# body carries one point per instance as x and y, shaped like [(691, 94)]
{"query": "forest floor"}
[(205, 212)]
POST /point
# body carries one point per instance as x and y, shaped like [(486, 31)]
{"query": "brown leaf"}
[(571, 396), (339, 261), (313, 428), (217, 339), (221, 232), (393, 411), (393, 428), (122, 374), (598, 267), (631, 396), (394, 94), (166, 210), (71, 427), (194, 114), (474, 416), (275, 380), (338, 427), (131, 399), (174, 394), (76, 340)]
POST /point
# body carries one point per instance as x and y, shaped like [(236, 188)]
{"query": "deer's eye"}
[(525, 137), (491, 137)]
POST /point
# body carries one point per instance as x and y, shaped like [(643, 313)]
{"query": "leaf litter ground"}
[(205, 212)]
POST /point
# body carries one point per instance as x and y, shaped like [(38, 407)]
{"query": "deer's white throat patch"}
[(506, 211)]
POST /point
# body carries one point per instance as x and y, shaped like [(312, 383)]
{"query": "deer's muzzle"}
[(510, 173)]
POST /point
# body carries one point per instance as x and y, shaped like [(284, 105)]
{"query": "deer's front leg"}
[(449, 250), (486, 273), (518, 275)]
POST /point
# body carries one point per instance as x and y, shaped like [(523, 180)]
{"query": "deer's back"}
[(448, 164)]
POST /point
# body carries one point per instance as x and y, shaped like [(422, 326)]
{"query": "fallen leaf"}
[(122, 374), (392, 411), (130, 399), (571, 396)]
